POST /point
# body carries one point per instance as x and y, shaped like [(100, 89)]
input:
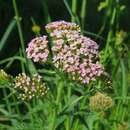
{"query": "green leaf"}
[(72, 102), (60, 120), (9, 29), (31, 67)]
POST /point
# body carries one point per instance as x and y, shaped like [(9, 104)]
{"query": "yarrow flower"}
[(62, 25), (100, 102), (75, 53), (30, 87), (72, 52), (38, 49)]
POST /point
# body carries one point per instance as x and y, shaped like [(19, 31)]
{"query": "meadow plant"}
[(72, 52)]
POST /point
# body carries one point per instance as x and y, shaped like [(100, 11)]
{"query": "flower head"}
[(61, 25), (30, 87), (38, 49), (72, 52), (100, 102), (76, 55)]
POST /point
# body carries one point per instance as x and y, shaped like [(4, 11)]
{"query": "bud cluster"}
[(100, 102), (30, 87), (4, 77)]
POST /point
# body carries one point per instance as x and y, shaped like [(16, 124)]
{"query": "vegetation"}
[(38, 91)]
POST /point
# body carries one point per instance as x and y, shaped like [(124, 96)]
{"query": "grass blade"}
[(9, 29)]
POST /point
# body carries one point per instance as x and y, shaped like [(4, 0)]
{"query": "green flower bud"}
[(100, 102), (4, 77), (122, 126)]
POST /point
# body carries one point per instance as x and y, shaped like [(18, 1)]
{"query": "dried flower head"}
[(30, 87), (100, 102), (62, 25), (38, 49)]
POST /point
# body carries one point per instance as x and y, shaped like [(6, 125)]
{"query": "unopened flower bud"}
[(100, 102)]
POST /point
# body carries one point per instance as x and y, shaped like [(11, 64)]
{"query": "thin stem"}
[(76, 124), (68, 117), (83, 12), (34, 24), (18, 20), (22, 65), (46, 12), (74, 8), (68, 123), (110, 34), (7, 101), (53, 120)]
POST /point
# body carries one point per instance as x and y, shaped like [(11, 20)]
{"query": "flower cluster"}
[(100, 102), (73, 52), (38, 49), (62, 25), (30, 87)]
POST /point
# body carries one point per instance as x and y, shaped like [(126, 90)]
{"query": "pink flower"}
[(74, 53), (38, 49), (61, 25)]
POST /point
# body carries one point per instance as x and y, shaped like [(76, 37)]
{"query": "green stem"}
[(68, 123), (83, 12), (22, 65), (54, 115), (46, 12), (124, 86), (74, 8), (7, 101), (68, 117), (18, 20), (59, 84), (110, 34), (16, 106), (29, 111), (76, 124), (34, 24)]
